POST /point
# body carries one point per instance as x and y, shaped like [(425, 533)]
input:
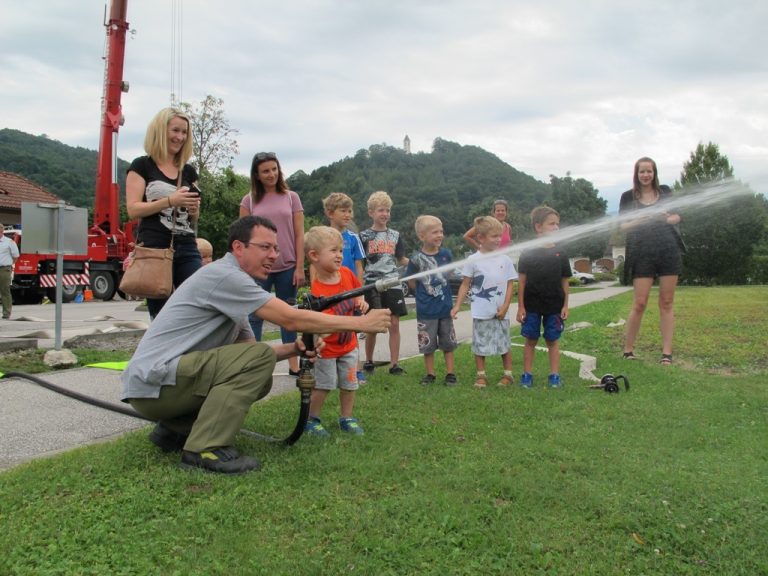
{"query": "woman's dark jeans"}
[(286, 291)]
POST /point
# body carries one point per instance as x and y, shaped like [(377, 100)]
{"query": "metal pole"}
[(59, 269)]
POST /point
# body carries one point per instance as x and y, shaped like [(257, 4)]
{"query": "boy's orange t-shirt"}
[(339, 343)]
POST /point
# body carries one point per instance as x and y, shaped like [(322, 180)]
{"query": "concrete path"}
[(35, 422)]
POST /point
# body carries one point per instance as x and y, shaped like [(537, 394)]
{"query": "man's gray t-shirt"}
[(210, 309)]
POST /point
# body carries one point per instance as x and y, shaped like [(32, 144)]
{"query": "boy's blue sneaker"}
[(526, 380), (361, 378), (554, 381), (351, 425), (315, 428)]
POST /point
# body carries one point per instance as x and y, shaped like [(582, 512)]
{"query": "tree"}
[(721, 237), (578, 202), (213, 140)]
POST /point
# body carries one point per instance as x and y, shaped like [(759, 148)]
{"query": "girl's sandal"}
[(630, 356), (506, 381), (481, 381), (666, 360)]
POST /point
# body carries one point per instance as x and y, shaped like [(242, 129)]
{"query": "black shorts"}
[(393, 299), (657, 263)]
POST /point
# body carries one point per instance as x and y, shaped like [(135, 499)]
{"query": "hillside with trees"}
[(67, 171), (453, 182)]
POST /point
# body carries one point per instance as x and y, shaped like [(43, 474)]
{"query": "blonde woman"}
[(167, 211)]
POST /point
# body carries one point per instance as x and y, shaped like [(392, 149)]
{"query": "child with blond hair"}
[(336, 366), (489, 280), (433, 299), (338, 208), (384, 252)]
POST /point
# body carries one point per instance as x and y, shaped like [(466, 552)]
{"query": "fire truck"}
[(108, 243)]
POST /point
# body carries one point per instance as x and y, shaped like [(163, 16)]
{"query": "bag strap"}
[(173, 209)]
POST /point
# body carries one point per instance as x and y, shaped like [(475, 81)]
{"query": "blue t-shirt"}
[(352, 251), (433, 293)]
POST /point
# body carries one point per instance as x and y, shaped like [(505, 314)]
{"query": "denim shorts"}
[(553, 326)]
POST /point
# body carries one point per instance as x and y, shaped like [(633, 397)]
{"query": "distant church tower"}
[(407, 144)]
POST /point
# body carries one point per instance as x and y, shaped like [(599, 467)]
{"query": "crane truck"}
[(108, 243)]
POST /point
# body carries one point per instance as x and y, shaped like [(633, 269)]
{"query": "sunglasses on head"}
[(265, 156)]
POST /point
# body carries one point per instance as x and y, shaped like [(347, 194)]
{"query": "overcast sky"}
[(550, 86)]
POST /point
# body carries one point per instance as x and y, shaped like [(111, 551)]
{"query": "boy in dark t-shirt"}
[(543, 296)]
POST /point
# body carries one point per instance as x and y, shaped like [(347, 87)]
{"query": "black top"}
[(544, 270), (155, 231), (649, 238)]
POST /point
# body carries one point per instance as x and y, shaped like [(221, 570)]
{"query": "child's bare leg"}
[(347, 402), (429, 363), (553, 350), (480, 363), (449, 366), (394, 340), (316, 402), (529, 352), (506, 361)]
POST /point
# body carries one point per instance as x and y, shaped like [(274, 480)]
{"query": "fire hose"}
[(305, 382)]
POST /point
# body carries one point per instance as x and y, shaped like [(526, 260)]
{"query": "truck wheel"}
[(103, 286), (68, 294)]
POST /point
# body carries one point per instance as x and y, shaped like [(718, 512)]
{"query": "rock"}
[(59, 358)]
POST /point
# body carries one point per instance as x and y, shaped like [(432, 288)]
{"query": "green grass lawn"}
[(669, 478)]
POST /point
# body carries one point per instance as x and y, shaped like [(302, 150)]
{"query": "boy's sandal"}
[(481, 381), (629, 356), (506, 381), (666, 360)]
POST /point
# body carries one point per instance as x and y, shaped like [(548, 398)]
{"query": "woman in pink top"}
[(500, 209), (269, 197)]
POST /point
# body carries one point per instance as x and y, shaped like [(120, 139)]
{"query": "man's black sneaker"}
[(396, 369), (167, 440), (225, 460), (369, 367)]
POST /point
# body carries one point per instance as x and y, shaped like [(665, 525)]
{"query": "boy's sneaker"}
[(450, 379), (428, 379), (166, 439), (351, 425), (361, 378), (369, 367), (396, 369), (554, 381), (224, 460), (314, 427), (526, 380)]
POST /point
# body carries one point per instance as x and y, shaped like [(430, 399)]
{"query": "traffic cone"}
[(88, 294)]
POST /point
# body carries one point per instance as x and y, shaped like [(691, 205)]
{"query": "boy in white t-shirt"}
[(489, 281)]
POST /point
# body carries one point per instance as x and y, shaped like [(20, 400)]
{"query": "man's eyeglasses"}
[(265, 156), (263, 247)]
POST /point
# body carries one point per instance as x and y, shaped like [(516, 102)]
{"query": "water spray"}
[(710, 195)]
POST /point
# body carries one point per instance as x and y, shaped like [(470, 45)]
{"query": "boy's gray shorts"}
[(436, 333), (490, 337), (341, 372)]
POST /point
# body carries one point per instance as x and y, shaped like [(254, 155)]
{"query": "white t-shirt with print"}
[(488, 288)]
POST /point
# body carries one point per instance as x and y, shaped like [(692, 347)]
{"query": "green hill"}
[(453, 182), (67, 171)]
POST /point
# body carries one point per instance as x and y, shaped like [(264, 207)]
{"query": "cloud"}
[(549, 87)]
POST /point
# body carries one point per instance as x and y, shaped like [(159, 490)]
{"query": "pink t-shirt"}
[(279, 208), (506, 237)]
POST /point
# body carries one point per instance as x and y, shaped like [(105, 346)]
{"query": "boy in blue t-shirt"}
[(433, 299)]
